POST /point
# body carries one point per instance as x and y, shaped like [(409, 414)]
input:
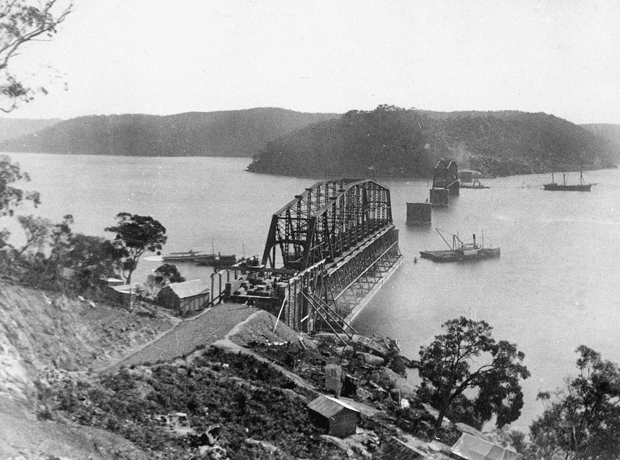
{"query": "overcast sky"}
[(164, 57)]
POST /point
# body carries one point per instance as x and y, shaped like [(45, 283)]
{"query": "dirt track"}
[(204, 329)]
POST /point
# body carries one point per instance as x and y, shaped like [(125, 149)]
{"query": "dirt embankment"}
[(42, 337), (51, 347)]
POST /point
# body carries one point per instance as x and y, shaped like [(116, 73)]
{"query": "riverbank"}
[(253, 381)]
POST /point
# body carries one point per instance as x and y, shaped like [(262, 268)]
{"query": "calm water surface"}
[(555, 287)]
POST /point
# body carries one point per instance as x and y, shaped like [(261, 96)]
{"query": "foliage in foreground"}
[(245, 397), (466, 358), (23, 22), (581, 421)]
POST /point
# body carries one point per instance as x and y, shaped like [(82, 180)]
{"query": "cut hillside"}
[(43, 338), (245, 397), (234, 133), (394, 142)]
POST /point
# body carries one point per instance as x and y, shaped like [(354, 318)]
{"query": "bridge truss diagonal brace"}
[(323, 295)]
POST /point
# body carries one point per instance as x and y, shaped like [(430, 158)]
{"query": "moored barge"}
[(461, 252)]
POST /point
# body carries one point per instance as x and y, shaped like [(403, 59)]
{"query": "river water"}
[(556, 285)]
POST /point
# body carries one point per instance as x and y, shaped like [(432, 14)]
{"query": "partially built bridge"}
[(327, 252)]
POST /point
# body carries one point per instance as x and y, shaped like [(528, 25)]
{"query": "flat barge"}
[(200, 258), (460, 255)]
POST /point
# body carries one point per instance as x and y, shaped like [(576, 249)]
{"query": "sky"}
[(560, 57)]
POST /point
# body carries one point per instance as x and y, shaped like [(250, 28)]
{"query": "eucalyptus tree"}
[(136, 234), (23, 22), (470, 377), (582, 420)]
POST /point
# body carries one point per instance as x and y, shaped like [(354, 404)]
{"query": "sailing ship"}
[(461, 252), (564, 187)]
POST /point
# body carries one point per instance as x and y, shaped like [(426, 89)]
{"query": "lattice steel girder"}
[(327, 220), (341, 285)]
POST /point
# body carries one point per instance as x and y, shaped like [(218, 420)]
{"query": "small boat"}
[(475, 185), (187, 256), (461, 252), (217, 260), (564, 187)]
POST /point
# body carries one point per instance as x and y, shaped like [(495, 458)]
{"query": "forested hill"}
[(390, 141), (226, 133), (606, 130), (15, 127)]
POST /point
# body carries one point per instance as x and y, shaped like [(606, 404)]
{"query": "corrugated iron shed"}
[(336, 417), (328, 406), (188, 288), (473, 448)]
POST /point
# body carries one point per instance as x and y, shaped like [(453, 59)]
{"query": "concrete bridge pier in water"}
[(327, 252)]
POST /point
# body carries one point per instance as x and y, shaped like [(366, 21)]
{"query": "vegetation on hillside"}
[(15, 127), (582, 420), (470, 377), (234, 133), (607, 130), (390, 141)]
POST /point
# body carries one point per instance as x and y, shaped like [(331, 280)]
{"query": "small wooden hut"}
[(123, 294), (184, 297), (336, 417)]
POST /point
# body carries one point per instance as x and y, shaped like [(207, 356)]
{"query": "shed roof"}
[(188, 288), (473, 448), (471, 430), (328, 406), (398, 450)]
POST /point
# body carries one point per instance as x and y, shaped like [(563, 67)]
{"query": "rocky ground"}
[(44, 336), (244, 390)]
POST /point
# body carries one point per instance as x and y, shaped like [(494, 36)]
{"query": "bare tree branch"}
[(21, 22)]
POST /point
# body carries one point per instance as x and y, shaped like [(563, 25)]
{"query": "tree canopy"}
[(582, 421), (22, 22), (136, 234), (10, 196), (465, 358), (168, 273)]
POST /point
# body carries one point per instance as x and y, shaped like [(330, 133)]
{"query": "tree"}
[(37, 231), (92, 258), (465, 358), (12, 197), (21, 22), (136, 234), (168, 273), (583, 420)]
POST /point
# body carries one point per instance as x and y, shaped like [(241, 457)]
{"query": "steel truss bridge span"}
[(325, 222), (339, 239)]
